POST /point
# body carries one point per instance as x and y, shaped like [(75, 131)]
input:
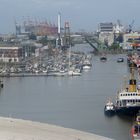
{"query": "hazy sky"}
[(82, 14)]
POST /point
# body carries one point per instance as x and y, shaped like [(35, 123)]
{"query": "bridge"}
[(95, 43)]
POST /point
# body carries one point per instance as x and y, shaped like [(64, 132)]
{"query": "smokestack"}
[(59, 23)]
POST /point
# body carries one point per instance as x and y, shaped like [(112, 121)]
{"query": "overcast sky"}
[(82, 14)]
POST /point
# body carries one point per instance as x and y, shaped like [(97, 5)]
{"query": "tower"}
[(67, 39), (59, 29)]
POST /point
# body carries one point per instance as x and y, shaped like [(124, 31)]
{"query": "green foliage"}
[(115, 46)]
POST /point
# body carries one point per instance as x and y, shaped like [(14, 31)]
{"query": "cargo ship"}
[(128, 99)]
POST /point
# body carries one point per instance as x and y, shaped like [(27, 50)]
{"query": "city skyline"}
[(82, 15)]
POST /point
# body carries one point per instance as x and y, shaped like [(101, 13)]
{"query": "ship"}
[(109, 108), (128, 99), (103, 57), (135, 130), (119, 60)]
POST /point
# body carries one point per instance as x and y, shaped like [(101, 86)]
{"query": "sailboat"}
[(72, 71)]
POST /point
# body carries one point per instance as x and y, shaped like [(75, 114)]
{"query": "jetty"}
[(17, 129)]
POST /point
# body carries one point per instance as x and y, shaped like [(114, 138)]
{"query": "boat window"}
[(133, 94)]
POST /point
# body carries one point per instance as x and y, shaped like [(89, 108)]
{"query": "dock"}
[(17, 129)]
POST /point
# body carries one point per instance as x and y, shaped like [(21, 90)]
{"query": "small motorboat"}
[(109, 108), (1, 84), (135, 131), (120, 60), (103, 58)]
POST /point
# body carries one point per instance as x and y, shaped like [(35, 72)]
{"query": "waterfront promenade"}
[(17, 129)]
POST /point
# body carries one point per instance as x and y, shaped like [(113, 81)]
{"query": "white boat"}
[(86, 64), (45, 71), (74, 73), (58, 73), (109, 108), (120, 60)]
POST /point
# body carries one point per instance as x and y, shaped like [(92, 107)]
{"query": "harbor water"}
[(73, 102)]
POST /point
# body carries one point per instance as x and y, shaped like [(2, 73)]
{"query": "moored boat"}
[(128, 99), (120, 60), (86, 65), (103, 58), (109, 108), (1, 84), (135, 130), (74, 73)]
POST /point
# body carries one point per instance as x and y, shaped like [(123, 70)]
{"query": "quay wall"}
[(17, 129)]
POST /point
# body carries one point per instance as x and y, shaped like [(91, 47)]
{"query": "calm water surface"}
[(74, 102)]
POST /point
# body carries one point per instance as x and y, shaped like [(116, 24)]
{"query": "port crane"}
[(130, 26)]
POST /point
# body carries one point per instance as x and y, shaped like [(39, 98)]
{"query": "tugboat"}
[(109, 108), (128, 99), (135, 130), (1, 84)]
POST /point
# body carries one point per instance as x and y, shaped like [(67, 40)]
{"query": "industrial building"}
[(106, 27), (106, 33), (40, 28), (10, 53), (131, 40)]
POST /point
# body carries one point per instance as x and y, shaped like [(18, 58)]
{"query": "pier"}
[(15, 129)]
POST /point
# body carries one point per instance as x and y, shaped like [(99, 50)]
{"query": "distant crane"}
[(119, 23), (130, 26)]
